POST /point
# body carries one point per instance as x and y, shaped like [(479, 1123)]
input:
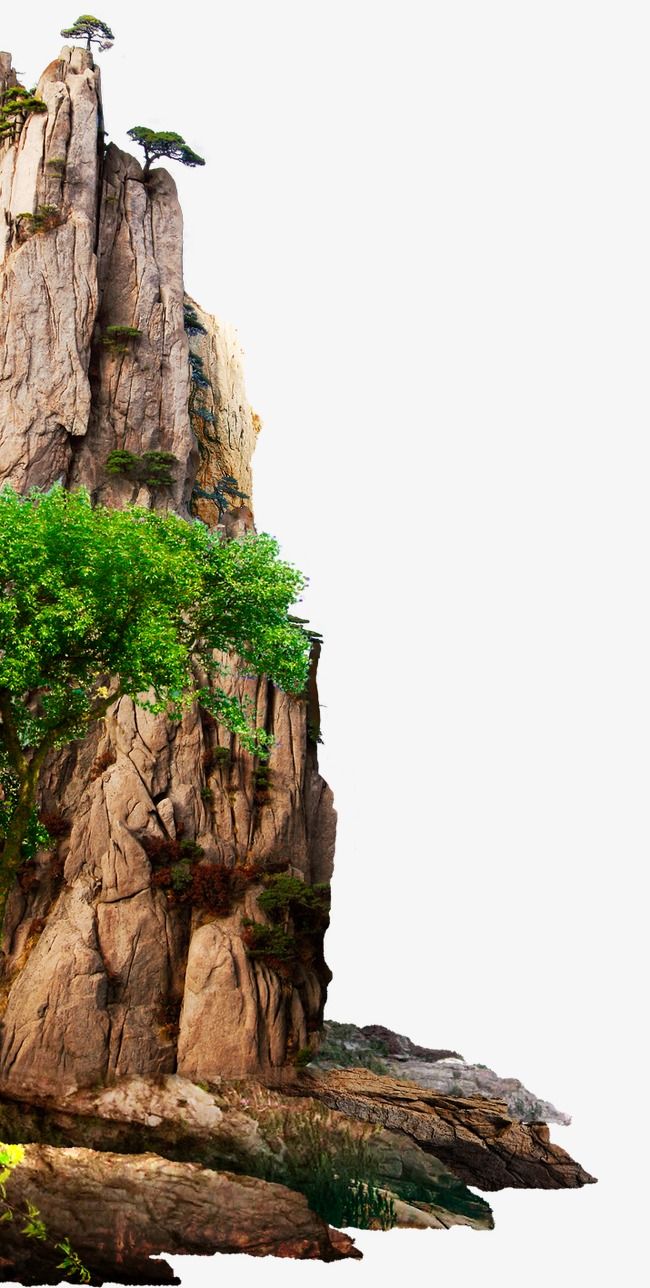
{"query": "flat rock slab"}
[(118, 1211), (475, 1137)]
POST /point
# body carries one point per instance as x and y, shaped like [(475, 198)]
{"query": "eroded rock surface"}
[(48, 278), (475, 1137), (119, 1211), (377, 1048), (252, 1130), (105, 973)]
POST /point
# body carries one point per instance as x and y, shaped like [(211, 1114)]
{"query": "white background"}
[(431, 224)]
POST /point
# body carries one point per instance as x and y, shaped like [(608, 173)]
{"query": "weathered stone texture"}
[(139, 395), (119, 1211), (48, 283), (94, 978), (475, 1137)]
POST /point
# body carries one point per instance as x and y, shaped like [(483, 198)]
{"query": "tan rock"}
[(118, 1211), (99, 962), (473, 1136)]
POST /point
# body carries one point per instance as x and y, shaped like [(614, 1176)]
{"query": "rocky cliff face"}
[(107, 971)]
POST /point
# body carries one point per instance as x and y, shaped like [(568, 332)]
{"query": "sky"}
[(430, 224)]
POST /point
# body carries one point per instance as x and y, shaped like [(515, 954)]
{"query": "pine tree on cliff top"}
[(161, 143), (90, 29)]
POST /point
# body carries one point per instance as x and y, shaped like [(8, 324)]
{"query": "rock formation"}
[(377, 1048), (128, 1209), (105, 974), (149, 1058)]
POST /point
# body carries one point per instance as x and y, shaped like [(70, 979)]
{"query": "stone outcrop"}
[(475, 1137), (105, 973), (48, 278), (119, 1211), (377, 1048), (245, 1128), (225, 425)]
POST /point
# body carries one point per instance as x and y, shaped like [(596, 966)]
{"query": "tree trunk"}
[(12, 855)]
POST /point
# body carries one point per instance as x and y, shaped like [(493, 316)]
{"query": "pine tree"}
[(161, 143), (16, 105), (90, 29)]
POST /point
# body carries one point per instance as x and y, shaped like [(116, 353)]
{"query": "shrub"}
[(118, 338), (334, 1170), (153, 468), (16, 105), (156, 468), (191, 321), (307, 906), (43, 220), (121, 462), (271, 944)]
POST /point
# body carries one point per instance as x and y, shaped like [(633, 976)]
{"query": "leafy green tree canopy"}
[(97, 603), (161, 143), (90, 29)]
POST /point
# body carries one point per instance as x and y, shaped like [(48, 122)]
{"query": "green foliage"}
[(90, 29), (36, 837), (286, 896), (56, 164), (11, 1156), (71, 1262), (16, 104), (303, 1057), (118, 338), (298, 916), (191, 321), (334, 1170), (268, 943), (41, 221), (34, 1227), (152, 468), (121, 462), (222, 493), (181, 876), (157, 468), (346, 1046), (163, 143), (197, 372), (100, 602)]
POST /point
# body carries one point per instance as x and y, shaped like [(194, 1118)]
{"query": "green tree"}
[(97, 603), (16, 105), (161, 143), (90, 29)]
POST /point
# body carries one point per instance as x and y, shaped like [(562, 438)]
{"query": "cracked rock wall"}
[(103, 974)]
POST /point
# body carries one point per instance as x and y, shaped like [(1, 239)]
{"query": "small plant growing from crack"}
[(118, 339)]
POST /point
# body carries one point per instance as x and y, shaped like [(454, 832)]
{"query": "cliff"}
[(150, 1059), (107, 973)]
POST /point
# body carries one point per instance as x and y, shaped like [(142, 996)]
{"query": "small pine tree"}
[(16, 105), (90, 29), (163, 143)]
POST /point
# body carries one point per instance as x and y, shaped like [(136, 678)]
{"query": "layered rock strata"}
[(118, 1212), (474, 1136), (250, 1130), (377, 1048)]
